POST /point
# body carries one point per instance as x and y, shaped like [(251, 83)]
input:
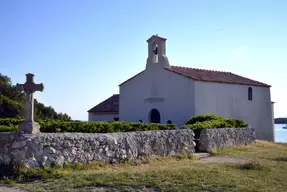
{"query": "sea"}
[(280, 133)]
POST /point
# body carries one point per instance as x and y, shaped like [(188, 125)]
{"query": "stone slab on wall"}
[(47, 149), (225, 137)]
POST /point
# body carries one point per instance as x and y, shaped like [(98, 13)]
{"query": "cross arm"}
[(39, 87)]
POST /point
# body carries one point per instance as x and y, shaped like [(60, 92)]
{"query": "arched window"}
[(250, 94), (155, 56), (169, 122)]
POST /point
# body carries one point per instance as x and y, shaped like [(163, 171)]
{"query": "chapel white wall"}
[(175, 92), (102, 117), (231, 101)]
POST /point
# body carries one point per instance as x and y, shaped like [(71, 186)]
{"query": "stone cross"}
[(29, 87)]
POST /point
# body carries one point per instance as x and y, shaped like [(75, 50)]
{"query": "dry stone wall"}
[(47, 149), (224, 137)]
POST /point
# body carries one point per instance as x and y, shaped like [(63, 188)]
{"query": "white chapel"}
[(163, 93)]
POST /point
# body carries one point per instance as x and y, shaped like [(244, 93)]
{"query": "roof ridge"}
[(248, 78), (215, 76), (198, 69)]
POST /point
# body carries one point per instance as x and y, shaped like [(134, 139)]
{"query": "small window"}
[(116, 119), (250, 94), (169, 122), (140, 121)]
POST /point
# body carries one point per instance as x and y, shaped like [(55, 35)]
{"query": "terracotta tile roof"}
[(110, 105), (215, 76)]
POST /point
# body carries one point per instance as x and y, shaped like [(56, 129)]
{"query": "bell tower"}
[(157, 51)]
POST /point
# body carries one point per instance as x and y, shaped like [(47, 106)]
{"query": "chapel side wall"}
[(176, 90), (102, 117), (231, 101)]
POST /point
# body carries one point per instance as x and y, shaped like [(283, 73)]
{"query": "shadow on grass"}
[(282, 159), (252, 165)]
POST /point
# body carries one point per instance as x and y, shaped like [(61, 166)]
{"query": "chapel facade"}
[(163, 93)]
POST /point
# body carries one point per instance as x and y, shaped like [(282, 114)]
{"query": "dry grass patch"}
[(257, 150), (174, 175)]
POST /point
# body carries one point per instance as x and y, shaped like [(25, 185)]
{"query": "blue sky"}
[(82, 50)]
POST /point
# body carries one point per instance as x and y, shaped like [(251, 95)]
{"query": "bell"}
[(155, 51)]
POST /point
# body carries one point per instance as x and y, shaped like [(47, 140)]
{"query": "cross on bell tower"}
[(157, 51)]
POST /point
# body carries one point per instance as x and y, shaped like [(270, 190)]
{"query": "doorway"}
[(154, 116)]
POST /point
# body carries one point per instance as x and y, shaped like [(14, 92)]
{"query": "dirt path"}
[(207, 158), (223, 159), (11, 189)]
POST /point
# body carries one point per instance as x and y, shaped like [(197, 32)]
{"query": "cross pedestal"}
[(29, 87)]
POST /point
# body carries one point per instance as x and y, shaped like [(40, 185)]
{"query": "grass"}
[(265, 170)]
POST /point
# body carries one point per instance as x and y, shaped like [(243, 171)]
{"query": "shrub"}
[(251, 165), (5, 128), (203, 118), (49, 126), (209, 121), (10, 121)]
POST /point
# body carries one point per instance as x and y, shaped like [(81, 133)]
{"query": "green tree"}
[(12, 103)]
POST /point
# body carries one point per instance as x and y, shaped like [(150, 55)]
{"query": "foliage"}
[(11, 124), (4, 128), (12, 103), (210, 121)]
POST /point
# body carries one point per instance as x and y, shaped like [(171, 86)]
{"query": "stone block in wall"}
[(224, 137), (47, 149)]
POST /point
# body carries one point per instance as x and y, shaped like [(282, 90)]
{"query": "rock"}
[(171, 153), (6, 159), (18, 156), (31, 162), (74, 152), (49, 150), (18, 144), (60, 161)]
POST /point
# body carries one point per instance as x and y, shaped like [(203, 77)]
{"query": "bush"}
[(5, 128), (10, 121), (49, 126), (203, 118), (209, 121), (252, 165)]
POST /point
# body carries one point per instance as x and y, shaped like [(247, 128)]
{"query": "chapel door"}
[(154, 116)]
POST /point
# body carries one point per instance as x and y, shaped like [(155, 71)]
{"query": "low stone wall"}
[(224, 137), (46, 149)]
